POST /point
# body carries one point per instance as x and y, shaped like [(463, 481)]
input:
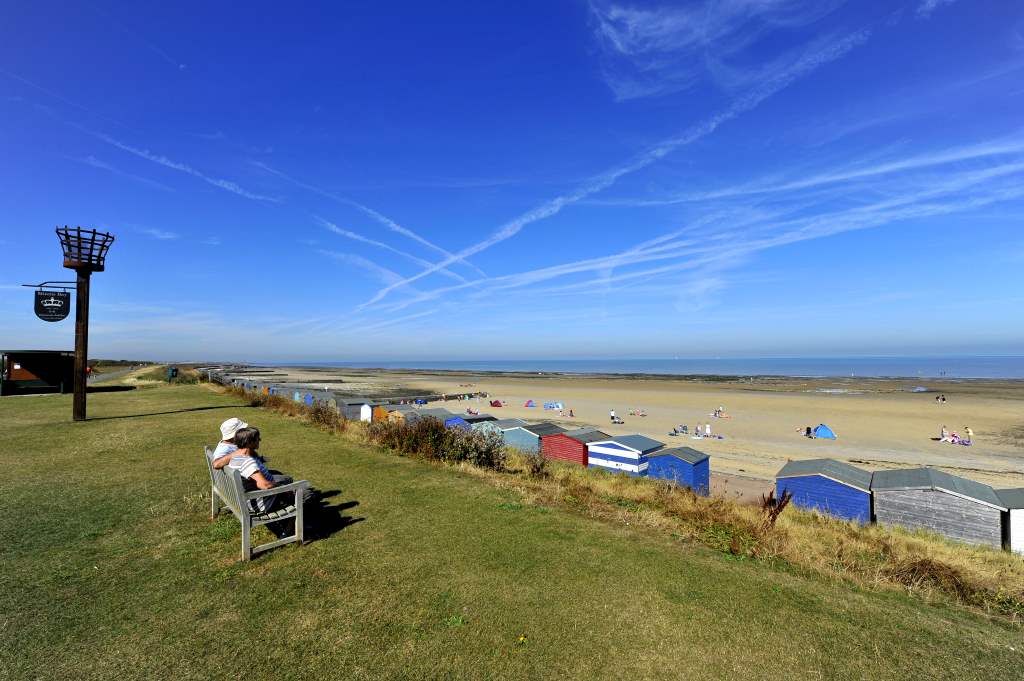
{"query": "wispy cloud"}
[(378, 272), (695, 258), (983, 150), (160, 234), (808, 63), (148, 44), (211, 241), (926, 7), (226, 185), (348, 234), (671, 47), (379, 217), (103, 165)]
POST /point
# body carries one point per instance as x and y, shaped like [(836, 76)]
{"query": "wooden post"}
[(81, 342)]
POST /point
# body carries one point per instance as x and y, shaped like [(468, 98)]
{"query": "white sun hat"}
[(230, 427)]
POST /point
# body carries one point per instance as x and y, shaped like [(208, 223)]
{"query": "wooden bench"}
[(226, 489)]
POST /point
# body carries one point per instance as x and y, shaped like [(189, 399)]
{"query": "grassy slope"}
[(112, 570)]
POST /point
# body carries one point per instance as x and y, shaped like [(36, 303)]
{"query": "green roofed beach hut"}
[(1013, 520), (498, 425), (828, 486), (527, 438), (929, 499)]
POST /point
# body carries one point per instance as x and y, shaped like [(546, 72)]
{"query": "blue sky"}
[(514, 180)]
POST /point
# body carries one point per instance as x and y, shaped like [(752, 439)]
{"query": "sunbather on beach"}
[(944, 435)]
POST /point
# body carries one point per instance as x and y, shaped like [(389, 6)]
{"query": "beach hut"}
[(366, 413), (828, 486), (478, 418), (1013, 519), (307, 399), (928, 499), (624, 454), (349, 407), (684, 466), (498, 425), (527, 437), (823, 432), (398, 412), (571, 445), (379, 412), (435, 413)]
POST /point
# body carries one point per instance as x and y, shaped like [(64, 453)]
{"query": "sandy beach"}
[(880, 423)]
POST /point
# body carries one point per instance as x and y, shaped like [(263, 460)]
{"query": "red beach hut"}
[(571, 445)]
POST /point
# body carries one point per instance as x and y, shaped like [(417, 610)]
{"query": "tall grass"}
[(323, 416), (429, 439), (773, 532)]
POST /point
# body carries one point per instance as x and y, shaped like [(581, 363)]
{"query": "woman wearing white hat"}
[(226, 447)]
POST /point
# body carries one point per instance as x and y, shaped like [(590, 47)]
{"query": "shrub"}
[(428, 438)]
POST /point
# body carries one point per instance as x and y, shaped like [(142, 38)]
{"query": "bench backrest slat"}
[(230, 490)]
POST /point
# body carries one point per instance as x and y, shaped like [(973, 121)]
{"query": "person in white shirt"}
[(707, 429), (226, 447), (255, 474)]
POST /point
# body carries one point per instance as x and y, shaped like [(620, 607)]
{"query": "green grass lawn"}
[(111, 569)]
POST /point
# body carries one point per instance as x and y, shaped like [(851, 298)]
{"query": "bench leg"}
[(214, 503), (246, 541), (298, 515)]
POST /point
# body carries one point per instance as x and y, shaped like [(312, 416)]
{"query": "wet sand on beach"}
[(880, 422)]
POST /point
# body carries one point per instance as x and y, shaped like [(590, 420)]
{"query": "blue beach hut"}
[(828, 486), (527, 437), (499, 426), (682, 465), (624, 454)]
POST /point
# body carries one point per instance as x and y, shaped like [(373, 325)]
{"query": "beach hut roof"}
[(829, 468), (400, 407), (505, 424), (435, 411), (687, 454), (640, 443), (930, 478), (586, 435), (545, 428), (477, 418), (1011, 498)]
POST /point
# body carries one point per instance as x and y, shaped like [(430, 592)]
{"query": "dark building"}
[(36, 371)]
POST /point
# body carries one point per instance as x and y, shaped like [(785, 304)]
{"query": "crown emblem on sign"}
[(52, 302)]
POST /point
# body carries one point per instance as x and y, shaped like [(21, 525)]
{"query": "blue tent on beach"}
[(824, 432)]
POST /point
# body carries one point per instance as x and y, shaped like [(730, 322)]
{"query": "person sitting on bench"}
[(226, 447), (255, 475)]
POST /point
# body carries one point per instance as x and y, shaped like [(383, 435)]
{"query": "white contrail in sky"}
[(803, 66), (382, 219)]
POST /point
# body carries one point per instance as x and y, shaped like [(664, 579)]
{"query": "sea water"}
[(859, 367)]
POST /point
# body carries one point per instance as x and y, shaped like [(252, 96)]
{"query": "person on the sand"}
[(944, 434), (968, 435)]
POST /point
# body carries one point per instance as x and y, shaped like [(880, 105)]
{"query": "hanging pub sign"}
[(53, 306)]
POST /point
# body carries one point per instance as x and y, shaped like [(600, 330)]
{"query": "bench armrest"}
[(280, 489)]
